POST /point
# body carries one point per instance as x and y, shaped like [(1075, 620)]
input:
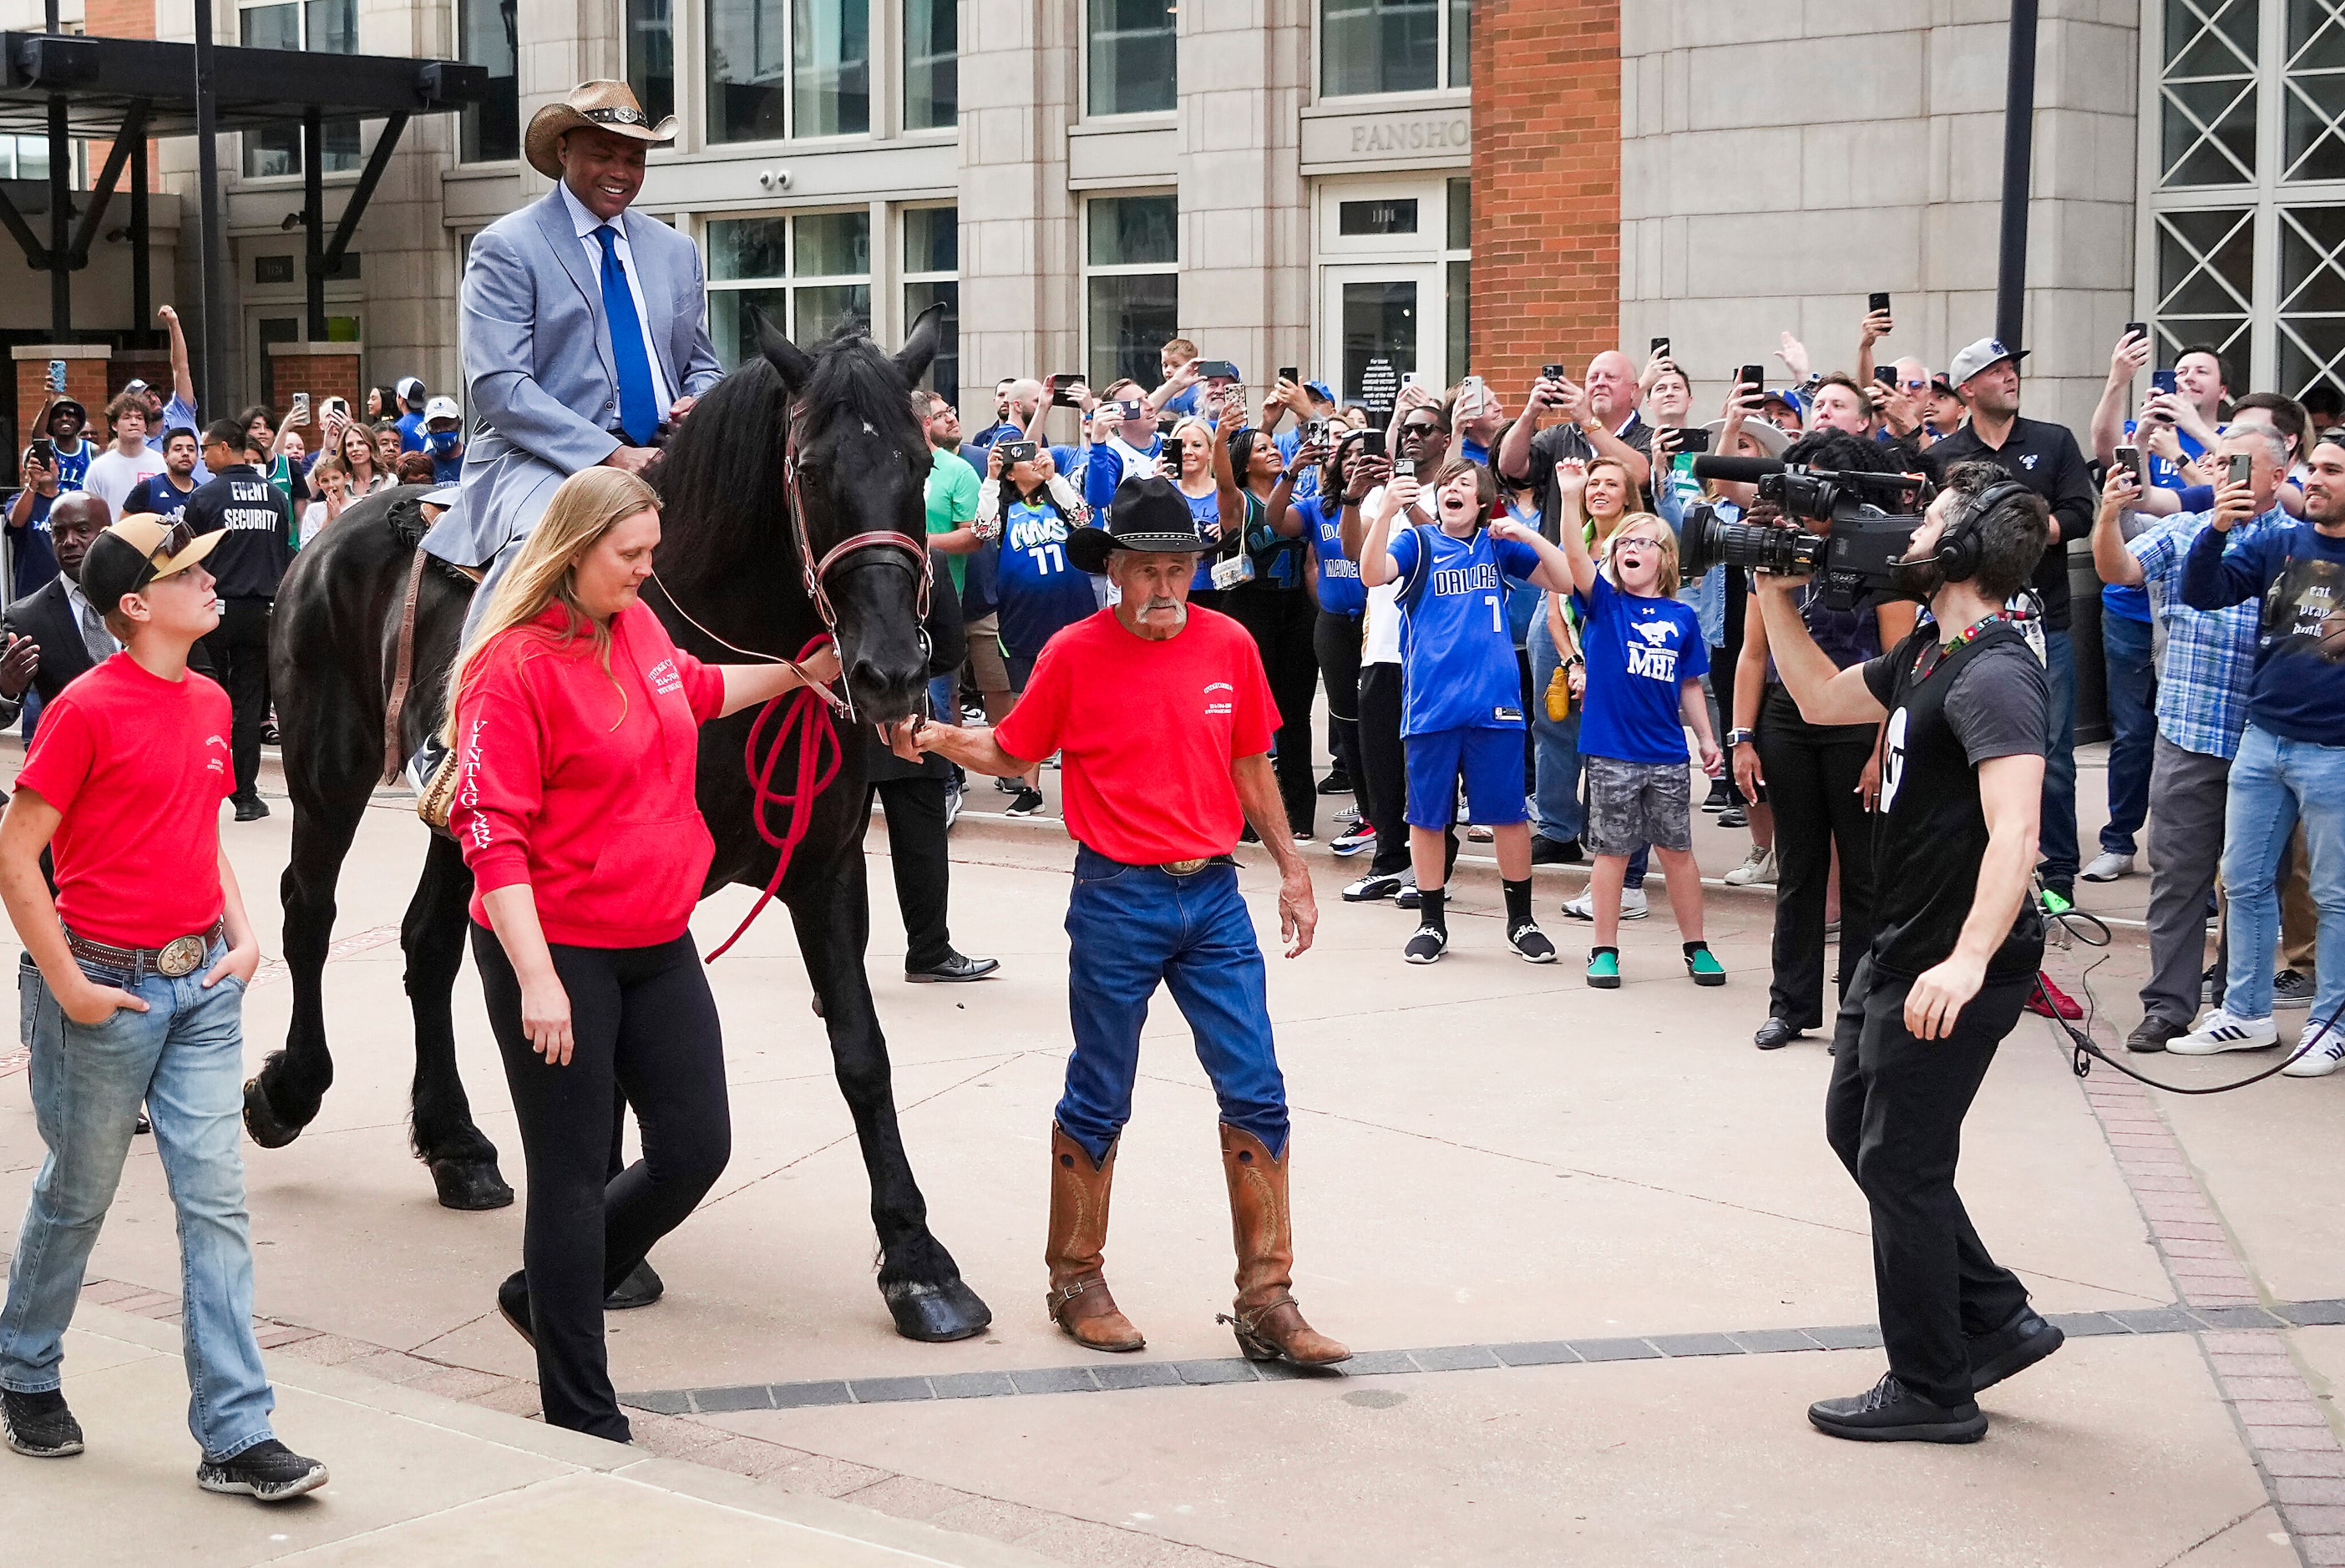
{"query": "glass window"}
[(650, 56), (750, 264), (2311, 294), (1379, 341), (322, 27), (491, 131), (1391, 46), (1134, 56), (1461, 41), (931, 239), (2206, 93), (932, 63), (831, 59), (1133, 292), (931, 264), (759, 51)]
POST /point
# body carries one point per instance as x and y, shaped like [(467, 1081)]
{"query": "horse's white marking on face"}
[(868, 430)]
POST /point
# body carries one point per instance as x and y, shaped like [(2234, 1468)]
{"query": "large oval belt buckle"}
[(179, 956), (1185, 867)]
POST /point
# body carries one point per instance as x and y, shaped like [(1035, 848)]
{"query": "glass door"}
[(1378, 324)]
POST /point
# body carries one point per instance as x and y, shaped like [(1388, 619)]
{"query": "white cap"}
[(1978, 357), (410, 388), (441, 408)]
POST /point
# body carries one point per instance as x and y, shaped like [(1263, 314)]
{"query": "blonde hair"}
[(1181, 428), (1661, 532), (589, 505)]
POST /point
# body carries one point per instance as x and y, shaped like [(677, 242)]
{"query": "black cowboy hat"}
[(1148, 513)]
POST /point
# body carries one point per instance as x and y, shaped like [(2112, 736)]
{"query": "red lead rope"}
[(806, 717)]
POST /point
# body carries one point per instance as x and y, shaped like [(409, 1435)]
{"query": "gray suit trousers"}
[(2187, 794)]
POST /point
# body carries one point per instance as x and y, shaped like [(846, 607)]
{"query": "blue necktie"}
[(639, 414)]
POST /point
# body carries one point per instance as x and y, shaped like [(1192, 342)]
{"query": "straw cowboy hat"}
[(595, 105)]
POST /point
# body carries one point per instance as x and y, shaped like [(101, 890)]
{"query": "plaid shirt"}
[(2210, 654)]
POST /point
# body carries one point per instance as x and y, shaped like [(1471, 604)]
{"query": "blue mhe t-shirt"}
[(1038, 592), (1639, 649), (1457, 654)]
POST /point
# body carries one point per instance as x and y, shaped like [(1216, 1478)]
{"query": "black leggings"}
[(642, 1022), (1812, 773), (1336, 640), (1282, 622)]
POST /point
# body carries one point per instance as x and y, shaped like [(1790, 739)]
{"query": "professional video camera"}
[(1854, 560)]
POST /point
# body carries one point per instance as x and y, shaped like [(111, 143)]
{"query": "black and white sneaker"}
[(1409, 898), (1009, 785), (2292, 989), (1374, 885), (267, 1471), (1352, 840), (1531, 943), (1026, 803), (1428, 945), (40, 1426)]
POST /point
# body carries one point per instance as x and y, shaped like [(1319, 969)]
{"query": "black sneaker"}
[(1889, 1411), (1374, 885), (1545, 851), (1007, 787), (1427, 945), (1026, 803), (2210, 982), (40, 1426), (2152, 1033), (267, 1471), (1722, 795), (1337, 781), (2018, 1345), (2291, 989), (248, 807), (1531, 943)]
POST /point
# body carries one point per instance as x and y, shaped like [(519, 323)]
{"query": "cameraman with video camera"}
[(1956, 945)]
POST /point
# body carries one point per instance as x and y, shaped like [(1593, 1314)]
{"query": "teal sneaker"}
[(1604, 969), (1703, 965)]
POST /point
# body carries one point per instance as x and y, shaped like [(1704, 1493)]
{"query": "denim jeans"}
[(2133, 727), (2056, 839), (1131, 926), (184, 1057), (1556, 813), (2275, 784)]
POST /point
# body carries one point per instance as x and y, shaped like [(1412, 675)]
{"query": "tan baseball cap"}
[(135, 552)]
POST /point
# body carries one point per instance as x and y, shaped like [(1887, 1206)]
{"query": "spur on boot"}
[(1269, 1326)]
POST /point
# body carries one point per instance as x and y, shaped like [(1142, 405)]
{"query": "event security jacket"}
[(251, 561)]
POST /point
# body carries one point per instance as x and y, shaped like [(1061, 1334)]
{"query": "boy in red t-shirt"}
[(143, 957)]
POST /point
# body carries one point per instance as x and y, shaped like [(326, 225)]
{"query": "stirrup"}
[(432, 772)]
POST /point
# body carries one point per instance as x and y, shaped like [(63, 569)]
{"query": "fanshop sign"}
[(1438, 136)]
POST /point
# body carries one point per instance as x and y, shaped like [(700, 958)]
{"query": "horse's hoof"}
[(935, 1313), (260, 1118), (470, 1184)]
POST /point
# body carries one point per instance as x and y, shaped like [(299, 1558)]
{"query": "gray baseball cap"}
[(1978, 357)]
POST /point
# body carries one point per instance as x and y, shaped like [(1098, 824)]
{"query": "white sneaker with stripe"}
[(2218, 1031)]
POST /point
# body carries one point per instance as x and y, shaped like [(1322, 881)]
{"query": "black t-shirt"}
[(251, 561), (2042, 457), (1560, 442), (1989, 698)]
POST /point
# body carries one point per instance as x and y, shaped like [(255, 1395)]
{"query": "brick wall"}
[(119, 18), (322, 376), (1546, 186)]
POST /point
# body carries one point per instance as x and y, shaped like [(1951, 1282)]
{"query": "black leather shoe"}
[(1775, 1034), (248, 807), (2152, 1033), (1545, 851), (267, 1471), (958, 967), (639, 1289), (1889, 1411), (1337, 781), (2018, 1345), (512, 1304), (39, 1425)]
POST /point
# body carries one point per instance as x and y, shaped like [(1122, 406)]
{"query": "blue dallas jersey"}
[(1341, 592), (1639, 649), (1457, 654), (1038, 590)]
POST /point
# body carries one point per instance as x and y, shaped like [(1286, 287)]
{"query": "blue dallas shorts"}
[(1490, 759)]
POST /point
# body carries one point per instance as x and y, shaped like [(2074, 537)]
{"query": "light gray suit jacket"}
[(542, 382)]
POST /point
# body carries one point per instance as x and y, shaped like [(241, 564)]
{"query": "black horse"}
[(838, 422)]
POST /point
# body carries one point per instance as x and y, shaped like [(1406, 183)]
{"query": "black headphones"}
[(1959, 547)]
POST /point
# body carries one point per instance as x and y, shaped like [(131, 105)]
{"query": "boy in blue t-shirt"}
[(1462, 713), (1646, 657)]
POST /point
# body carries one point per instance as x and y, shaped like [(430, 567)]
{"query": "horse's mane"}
[(853, 379)]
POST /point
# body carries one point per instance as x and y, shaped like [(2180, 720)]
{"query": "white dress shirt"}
[(587, 223)]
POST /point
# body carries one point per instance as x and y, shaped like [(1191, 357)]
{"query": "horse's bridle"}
[(817, 571)]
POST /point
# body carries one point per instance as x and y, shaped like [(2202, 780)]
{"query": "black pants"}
[(643, 1024), (916, 848), (1383, 779), (1812, 771), (1894, 1115), (1336, 639), (239, 650), (1283, 622), (1723, 662)]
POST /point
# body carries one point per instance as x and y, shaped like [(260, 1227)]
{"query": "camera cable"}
[(2086, 1050)]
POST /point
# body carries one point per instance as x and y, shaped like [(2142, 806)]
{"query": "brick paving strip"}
[(2282, 1421)]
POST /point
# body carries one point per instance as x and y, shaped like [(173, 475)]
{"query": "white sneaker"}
[(1633, 906), (1759, 865), (2218, 1031), (2108, 866), (2320, 1061)]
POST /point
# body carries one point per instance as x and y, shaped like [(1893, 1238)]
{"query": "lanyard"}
[(1938, 653)]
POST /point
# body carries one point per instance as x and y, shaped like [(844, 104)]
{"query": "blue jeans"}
[(2275, 785), (184, 1056), (1131, 926), (1557, 812), (2133, 727), (2056, 841)]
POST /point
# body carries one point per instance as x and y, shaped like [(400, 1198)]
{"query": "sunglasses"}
[(180, 537)]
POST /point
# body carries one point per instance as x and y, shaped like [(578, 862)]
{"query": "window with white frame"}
[(1132, 285), (1392, 45), (1457, 285), (2244, 184), (808, 273), (1134, 56), (932, 277), (650, 56), (932, 63), (781, 68), (489, 131), (317, 27)]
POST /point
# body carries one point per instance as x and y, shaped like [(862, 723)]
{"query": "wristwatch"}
[(1741, 737)]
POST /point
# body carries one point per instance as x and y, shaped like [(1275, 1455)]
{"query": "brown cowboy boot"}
[(1268, 1324), (1079, 1299)]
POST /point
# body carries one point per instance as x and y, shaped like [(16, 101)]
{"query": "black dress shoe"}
[(957, 966), (1775, 1034), (2152, 1033), (641, 1287), (2018, 1345), (39, 1425), (513, 1305), (248, 808), (1889, 1411), (1545, 851)]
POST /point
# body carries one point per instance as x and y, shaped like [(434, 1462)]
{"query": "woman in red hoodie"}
[(576, 724)]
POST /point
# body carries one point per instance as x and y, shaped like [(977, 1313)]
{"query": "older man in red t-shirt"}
[(1162, 718)]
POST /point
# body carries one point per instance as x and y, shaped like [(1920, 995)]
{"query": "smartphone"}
[(1551, 372), (1131, 408), (1876, 302), (1219, 371), (2161, 380), (2136, 329), (1754, 377), (1059, 398), (1017, 452), (1315, 432), (43, 453), (1661, 346), (300, 413), (1291, 373), (1691, 441), (2241, 464), (338, 407), (1887, 376), (2130, 460), (1372, 443), (1471, 389), (57, 377)]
